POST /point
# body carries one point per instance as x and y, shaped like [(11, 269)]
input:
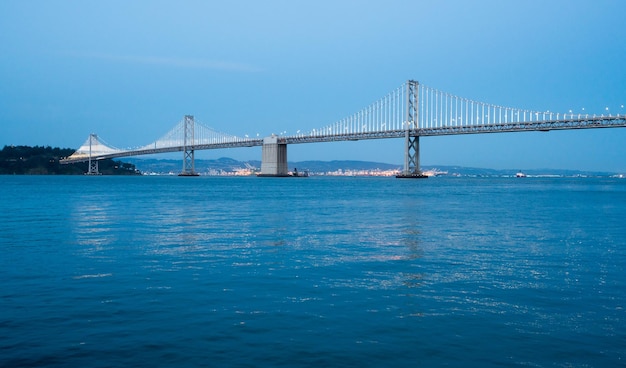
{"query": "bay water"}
[(342, 271)]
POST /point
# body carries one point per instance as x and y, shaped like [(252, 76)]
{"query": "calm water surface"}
[(354, 272)]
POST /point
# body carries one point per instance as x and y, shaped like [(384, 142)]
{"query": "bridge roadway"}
[(542, 126)]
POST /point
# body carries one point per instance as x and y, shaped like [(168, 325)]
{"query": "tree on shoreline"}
[(40, 160)]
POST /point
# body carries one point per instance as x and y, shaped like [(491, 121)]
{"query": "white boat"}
[(520, 175)]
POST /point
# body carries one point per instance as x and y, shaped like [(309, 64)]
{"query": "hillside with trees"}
[(39, 160)]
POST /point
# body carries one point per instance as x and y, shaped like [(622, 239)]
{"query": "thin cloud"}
[(175, 62)]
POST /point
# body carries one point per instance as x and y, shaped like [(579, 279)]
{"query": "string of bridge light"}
[(435, 109), (385, 114), (211, 136), (438, 109), (202, 135)]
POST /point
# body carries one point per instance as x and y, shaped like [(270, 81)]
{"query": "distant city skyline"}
[(129, 71)]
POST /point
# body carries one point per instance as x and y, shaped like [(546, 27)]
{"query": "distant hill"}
[(230, 165), (202, 166), (328, 166)]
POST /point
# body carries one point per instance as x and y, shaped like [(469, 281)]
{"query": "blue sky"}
[(130, 70)]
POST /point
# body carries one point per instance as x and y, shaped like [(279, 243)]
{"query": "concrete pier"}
[(274, 159)]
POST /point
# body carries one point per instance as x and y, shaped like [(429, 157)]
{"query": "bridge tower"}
[(411, 138), (188, 147), (93, 163)]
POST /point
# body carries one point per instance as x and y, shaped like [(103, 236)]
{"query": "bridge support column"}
[(411, 138), (412, 158), (93, 168), (93, 164), (274, 160), (189, 162)]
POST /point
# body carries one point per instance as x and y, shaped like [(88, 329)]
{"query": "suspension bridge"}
[(411, 111)]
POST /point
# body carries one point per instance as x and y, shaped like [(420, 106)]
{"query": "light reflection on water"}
[(93, 226)]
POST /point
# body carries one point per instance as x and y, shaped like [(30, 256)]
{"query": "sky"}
[(130, 70)]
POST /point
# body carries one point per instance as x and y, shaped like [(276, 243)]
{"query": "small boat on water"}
[(520, 174), (303, 174)]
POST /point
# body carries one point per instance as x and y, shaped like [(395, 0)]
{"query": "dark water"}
[(354, 272)]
